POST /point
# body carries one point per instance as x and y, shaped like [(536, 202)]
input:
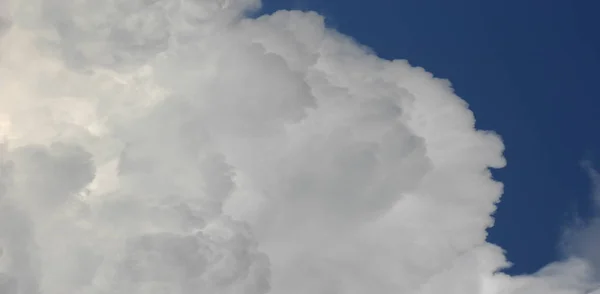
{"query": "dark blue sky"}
[(529, 70)]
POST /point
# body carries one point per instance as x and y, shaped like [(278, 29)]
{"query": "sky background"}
[(528, 69)]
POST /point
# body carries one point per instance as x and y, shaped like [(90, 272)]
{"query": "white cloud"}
[(582, 238), (177, 147)]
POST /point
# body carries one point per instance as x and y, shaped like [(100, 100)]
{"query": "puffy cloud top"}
[(176, 146)]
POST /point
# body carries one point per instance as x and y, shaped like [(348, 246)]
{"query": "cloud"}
[(582, 238), (179, 147)]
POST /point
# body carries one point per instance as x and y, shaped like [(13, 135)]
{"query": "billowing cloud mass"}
[(179, 147)]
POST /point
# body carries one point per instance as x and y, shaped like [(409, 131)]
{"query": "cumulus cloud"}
[(180, 147)]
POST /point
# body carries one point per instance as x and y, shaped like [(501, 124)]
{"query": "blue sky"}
[(529, 70)]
